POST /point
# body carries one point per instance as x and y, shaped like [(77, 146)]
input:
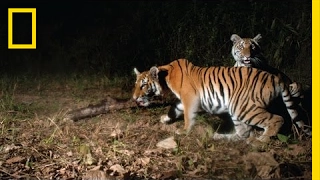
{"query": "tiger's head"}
[(246, 51), (147, 85)]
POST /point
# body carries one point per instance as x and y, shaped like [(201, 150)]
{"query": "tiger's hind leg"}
[(175, 112), (242, 131), (271, 123)]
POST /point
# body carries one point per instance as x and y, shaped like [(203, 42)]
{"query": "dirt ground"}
[(37, 142)]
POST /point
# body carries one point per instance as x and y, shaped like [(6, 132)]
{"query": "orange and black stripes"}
[(244, 93)]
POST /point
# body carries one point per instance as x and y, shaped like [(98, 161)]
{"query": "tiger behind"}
[(247, 53), (243, 93)]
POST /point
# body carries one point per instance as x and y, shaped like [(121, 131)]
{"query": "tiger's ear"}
[(154, 72), (235, 38), (165, 67), (135, 70), (257, 38)]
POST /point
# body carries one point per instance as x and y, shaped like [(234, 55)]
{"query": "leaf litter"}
[(124, 144)]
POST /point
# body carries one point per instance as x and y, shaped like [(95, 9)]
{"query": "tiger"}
[(247, 53), (244, 93)]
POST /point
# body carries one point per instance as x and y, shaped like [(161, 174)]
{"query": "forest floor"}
[(37, 142)]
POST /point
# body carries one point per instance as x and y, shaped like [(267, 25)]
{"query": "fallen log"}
[(106, 105)]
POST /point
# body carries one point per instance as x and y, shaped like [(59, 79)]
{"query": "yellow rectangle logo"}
[(10, 28)]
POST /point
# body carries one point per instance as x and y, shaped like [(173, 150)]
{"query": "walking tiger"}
[(244, 93)]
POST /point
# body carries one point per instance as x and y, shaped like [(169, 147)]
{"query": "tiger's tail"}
[(292, 109)]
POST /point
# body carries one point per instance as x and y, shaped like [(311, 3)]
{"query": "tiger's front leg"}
[(175, 111), (191, 107)]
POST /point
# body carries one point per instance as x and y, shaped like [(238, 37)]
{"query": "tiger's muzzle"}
[(246, 61), (142, 101)]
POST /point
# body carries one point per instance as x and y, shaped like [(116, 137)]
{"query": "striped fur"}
[(147, 85), (247, 53), (244, 93)]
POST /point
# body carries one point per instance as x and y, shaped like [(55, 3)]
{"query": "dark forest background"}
[(112, 37)]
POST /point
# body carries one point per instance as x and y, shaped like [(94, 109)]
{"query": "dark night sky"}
[(61, 21), (81, 14), (117, 34)]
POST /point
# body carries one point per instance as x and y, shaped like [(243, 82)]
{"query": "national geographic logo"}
[(11, 35)]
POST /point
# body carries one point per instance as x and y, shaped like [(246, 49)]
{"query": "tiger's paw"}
[(252, 140), (229, 137), (165, 119), (263, 139), (217, 136), (181, 132), (256, 143)]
